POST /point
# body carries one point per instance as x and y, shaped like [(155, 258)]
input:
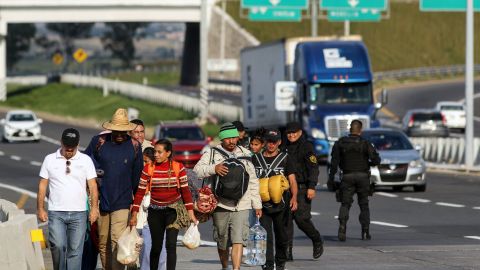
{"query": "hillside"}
[(409, 38)]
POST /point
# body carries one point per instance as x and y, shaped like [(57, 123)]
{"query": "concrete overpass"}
[(77, 11)]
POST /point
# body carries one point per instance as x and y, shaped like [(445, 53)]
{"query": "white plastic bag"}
[(191, 239), (146, 201), (141, 218), (129, 246)]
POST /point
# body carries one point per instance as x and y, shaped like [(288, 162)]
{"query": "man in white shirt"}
[(66, 173)]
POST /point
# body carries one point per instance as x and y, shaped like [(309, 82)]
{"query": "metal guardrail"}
[(422, 72)]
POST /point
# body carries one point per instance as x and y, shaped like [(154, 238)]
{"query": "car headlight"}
[(418, 163), (317, 133), (9, 127)]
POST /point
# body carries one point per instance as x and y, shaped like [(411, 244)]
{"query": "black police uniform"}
[(354, 155), (306, 174)]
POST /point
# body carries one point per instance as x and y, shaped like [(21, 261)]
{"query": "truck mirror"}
[(285, 95), (384, 99)]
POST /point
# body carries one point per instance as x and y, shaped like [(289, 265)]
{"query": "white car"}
[(21, 125), (454, 113)]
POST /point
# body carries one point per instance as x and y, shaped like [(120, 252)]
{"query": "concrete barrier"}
[(17, 252), (449, 151)]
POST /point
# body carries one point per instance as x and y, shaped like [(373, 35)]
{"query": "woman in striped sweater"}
[(167, 191)]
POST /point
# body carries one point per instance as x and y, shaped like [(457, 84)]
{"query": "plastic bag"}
[(191, 239), (129, 246), (146, 201)]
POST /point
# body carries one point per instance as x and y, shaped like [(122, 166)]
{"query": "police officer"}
[(306, 174), (354, 155)]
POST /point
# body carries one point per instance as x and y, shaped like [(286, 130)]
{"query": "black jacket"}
[(305, 161), (353, 153)]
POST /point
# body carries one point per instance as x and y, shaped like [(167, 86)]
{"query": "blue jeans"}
[(66, 235), (145, 254)]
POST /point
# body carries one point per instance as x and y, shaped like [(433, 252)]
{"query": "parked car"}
[(425, 123), (454, 113), (20, 125), (187, 138), (401, 164)]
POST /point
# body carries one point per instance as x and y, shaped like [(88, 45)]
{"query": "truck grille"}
[(336, 126)]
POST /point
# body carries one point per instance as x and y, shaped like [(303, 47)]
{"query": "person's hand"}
[(192, 216), (221, 169), (293, 204), (258, 213), (133, 219), (310, 193), (42, 215), (94, 213)]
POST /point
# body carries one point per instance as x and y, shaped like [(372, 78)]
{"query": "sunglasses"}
[(68, 167)]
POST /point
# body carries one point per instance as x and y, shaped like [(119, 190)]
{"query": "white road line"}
[(389, 224), (450, 204), (335, 217), (476, 207), (416, 200), (385, 194), (19, 190), (472, 237), (2, 153), (315, 213), (57, 142), (17, 158), (35, 163)]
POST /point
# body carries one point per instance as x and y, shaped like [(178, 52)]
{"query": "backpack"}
[(234, 184)]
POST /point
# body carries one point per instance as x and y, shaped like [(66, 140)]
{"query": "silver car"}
[(401, 165)]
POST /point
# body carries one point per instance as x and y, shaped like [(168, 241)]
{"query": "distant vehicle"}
[(425, 123), (454, 113), (20, 125), (187, 138), (401, 165)]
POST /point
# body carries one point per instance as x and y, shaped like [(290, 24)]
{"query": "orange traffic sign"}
[(80, 55), (57, 58)]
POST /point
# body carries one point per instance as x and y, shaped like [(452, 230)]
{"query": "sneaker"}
[(317, 249), (268, 267), (280, 266)]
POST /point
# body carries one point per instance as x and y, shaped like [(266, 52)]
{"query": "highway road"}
[(438, 229)]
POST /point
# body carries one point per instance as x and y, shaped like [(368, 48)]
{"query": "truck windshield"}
[(358, 93)]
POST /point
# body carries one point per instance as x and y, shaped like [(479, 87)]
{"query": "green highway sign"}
[(357, 15), (291, 4), (274, 14), (354, 4), (447, 5)]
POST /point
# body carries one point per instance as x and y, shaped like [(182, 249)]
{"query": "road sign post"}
[(469, 87)]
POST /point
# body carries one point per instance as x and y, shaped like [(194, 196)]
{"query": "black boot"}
[(317, 249), (342, 232), (289, 254), (280, 266), (366, 234)]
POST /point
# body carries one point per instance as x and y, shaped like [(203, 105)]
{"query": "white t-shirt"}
[(68, 192)]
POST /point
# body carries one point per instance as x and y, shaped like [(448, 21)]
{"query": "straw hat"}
[(119, 121)]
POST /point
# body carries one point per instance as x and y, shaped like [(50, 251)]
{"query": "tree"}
[(119, 40), (19, 38), (68, 32)]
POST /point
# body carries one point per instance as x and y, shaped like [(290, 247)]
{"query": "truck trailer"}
[(323, 83)]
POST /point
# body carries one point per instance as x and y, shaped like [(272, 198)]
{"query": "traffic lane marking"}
[(387, 224), (472, 237), (385, 194), (476, 208), (23, 199), (19, 190), (35, 163), (17, 158), (416, 200), (57, 142), (450, 204)]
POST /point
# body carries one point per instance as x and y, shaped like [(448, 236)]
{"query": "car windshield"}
[(182, 133), (21, 117), (357, 93), (427, 116), (451, 108), (388, 141)]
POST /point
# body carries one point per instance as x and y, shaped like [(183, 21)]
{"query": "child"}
[(257, 143)]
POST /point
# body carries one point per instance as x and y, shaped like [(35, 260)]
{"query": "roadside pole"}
[(314, 17), (469, 87), (346, 28), (203, 62), (3, 60)]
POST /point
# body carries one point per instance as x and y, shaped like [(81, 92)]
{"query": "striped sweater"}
[(164, 190)]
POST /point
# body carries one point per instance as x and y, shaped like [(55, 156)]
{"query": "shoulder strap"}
[(277, 161), (221, 151), (263, 164), (151, 169), (176, 170)]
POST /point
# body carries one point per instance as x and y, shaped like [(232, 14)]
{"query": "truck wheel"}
[(421, 188)]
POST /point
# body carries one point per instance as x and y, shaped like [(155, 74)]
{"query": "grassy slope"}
[(410, 38), (154, 78)]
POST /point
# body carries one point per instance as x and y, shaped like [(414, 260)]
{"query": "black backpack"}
[(235, 184)]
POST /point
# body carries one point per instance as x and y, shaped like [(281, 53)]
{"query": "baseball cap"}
[(293, 127), (272, 135), (70, 137)]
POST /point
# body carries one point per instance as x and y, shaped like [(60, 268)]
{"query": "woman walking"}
[(171, 204)]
